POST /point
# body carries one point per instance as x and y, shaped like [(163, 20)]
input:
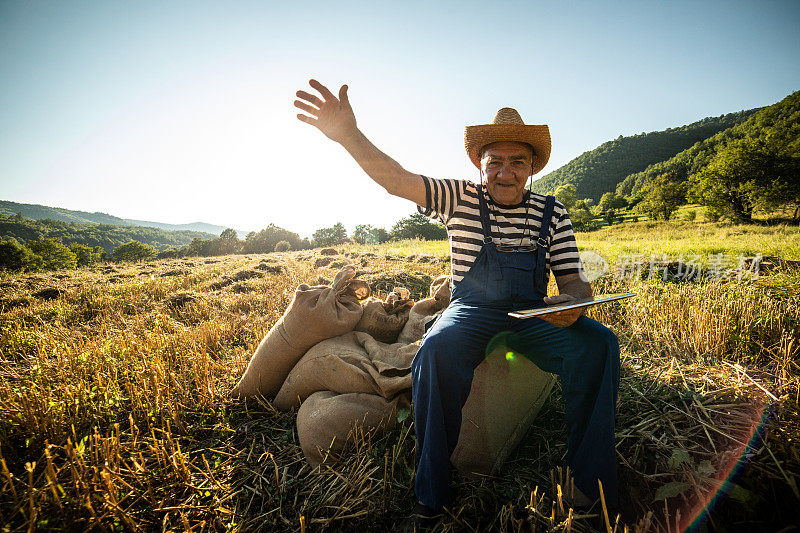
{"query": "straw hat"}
[(508, 126)]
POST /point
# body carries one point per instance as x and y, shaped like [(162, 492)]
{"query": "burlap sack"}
[(384, 320), (425, 309), (315, 313), (326, 421), (353, 362), (506, 395)]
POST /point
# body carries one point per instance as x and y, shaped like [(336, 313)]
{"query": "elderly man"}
[(501, 255)]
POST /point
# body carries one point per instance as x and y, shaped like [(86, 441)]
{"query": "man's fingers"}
[(309, 97), (307, 120), (343, 95), (326, 94), (305, 107), (558, 298)]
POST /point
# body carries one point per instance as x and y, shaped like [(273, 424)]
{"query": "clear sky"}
[(182, 111)]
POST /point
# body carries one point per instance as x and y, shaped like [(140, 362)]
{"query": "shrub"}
[(283, 246), (170, 253), (134, 251)]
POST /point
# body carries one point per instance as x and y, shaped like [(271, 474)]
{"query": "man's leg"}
[(586, 357), (441, 377)]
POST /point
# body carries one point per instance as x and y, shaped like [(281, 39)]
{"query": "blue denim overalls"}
[(585, 355)]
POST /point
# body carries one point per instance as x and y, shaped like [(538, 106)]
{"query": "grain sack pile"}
[(360, 377), (315, 314)]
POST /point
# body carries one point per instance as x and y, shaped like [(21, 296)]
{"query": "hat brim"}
[(537, 135)]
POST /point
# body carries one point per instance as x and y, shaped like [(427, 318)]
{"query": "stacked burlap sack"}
[(314, 314), (359, 376)]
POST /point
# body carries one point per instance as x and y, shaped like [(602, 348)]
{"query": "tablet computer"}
[(572, 304)]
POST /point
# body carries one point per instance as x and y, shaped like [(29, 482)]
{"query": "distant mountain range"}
[(194, 226), (601, 170), (38, 212)]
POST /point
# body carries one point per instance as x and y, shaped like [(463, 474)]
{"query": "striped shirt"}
[(454, 203)]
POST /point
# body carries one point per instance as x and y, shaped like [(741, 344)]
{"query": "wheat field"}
[(114, 413)]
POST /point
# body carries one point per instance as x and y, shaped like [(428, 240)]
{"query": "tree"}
[(200, 247), (611, 216), (53, 253), (227, 243), (746, 175), (662, 198), (15, 256), (264, 241), (134, 251), (418, 226), (334, 235), (283, 246), (567, 195), (366, 234), (611, 201), (581, 217), (85, 254)]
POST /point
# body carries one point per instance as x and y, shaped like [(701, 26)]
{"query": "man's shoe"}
[(422, 518)]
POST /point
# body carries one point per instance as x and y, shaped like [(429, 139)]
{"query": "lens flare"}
[(725, 484)]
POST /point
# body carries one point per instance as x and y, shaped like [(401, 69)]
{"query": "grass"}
[(114, 416), (675, 238), (679, 237)]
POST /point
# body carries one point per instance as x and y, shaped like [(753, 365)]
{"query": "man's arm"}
[(570, 287), (335, 118)]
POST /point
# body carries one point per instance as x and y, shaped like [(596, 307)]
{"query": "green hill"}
[(779, 122), (108, 236), (39, 212), (602, 169)]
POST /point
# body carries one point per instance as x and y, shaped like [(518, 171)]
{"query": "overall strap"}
[(488, 248), (484, 212), (542, 244)]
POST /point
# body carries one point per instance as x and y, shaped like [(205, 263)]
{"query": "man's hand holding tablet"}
[(562, 308)]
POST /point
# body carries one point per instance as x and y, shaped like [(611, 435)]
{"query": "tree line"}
[(749, 167), (52, 253), (106, 236), (598, 171)]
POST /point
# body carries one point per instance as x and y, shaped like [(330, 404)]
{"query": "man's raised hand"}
[(332, 116)]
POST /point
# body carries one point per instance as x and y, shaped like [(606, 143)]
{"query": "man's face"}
[(507, 166)]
